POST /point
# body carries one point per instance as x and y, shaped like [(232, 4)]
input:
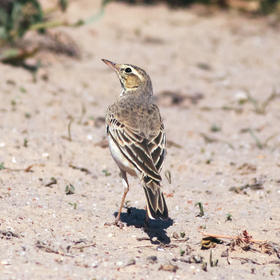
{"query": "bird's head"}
[(132, 78)]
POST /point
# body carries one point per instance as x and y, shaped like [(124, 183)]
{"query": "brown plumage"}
[(136, 136)]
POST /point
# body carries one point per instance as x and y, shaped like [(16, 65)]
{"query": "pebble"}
[(5, 262), (197, 259), (241, 96), (154, 239), (152, 259), (131, 262), (94, 264)]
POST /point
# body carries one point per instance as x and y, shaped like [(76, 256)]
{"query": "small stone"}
[(197, 259), (154, 239), (168, 267), (94, 264), (175, 235), (131, 262), (5, 262), (241, 96), (152, 259)]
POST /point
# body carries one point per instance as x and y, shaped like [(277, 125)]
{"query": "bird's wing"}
[(156, 148), (145, 155)]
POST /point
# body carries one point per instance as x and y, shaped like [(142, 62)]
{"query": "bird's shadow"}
[(156, 229)]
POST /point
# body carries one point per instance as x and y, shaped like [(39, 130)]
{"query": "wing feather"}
[(157, 148), (146, 156)]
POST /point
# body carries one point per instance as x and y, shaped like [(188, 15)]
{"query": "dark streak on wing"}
[(135, 148), (142, 161), (157, 149), (120, 149)]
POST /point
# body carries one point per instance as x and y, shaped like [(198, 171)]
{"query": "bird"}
[(136, 137)]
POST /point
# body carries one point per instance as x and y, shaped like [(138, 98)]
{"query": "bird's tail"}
[(156, 205)]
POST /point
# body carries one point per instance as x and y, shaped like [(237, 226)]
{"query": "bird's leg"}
[(126, 189)]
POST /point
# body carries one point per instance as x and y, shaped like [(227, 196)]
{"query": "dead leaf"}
[(210, 242)]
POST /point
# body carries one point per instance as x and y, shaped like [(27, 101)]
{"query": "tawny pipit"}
[(136, 136)]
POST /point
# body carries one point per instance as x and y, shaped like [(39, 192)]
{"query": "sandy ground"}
[(203, 65)]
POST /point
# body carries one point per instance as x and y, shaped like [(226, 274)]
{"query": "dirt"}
[(216, 80)]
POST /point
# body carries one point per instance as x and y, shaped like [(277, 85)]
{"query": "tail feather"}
[(156, 205)]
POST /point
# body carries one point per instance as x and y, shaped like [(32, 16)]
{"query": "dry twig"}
[(244, 237), (42, 246)]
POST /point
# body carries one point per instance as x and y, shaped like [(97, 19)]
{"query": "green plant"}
[(69, 189), (201, 210), (16, 17), (106, 172), (2, 166), (74, 205), (228, 217)]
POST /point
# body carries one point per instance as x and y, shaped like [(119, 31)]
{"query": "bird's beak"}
[(111, 64)]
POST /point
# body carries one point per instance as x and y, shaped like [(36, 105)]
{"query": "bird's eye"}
[(128, 70)]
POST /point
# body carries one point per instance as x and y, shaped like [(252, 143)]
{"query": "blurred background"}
[(18, 17)]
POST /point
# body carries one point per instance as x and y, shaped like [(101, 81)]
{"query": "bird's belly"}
[(120, 159)]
